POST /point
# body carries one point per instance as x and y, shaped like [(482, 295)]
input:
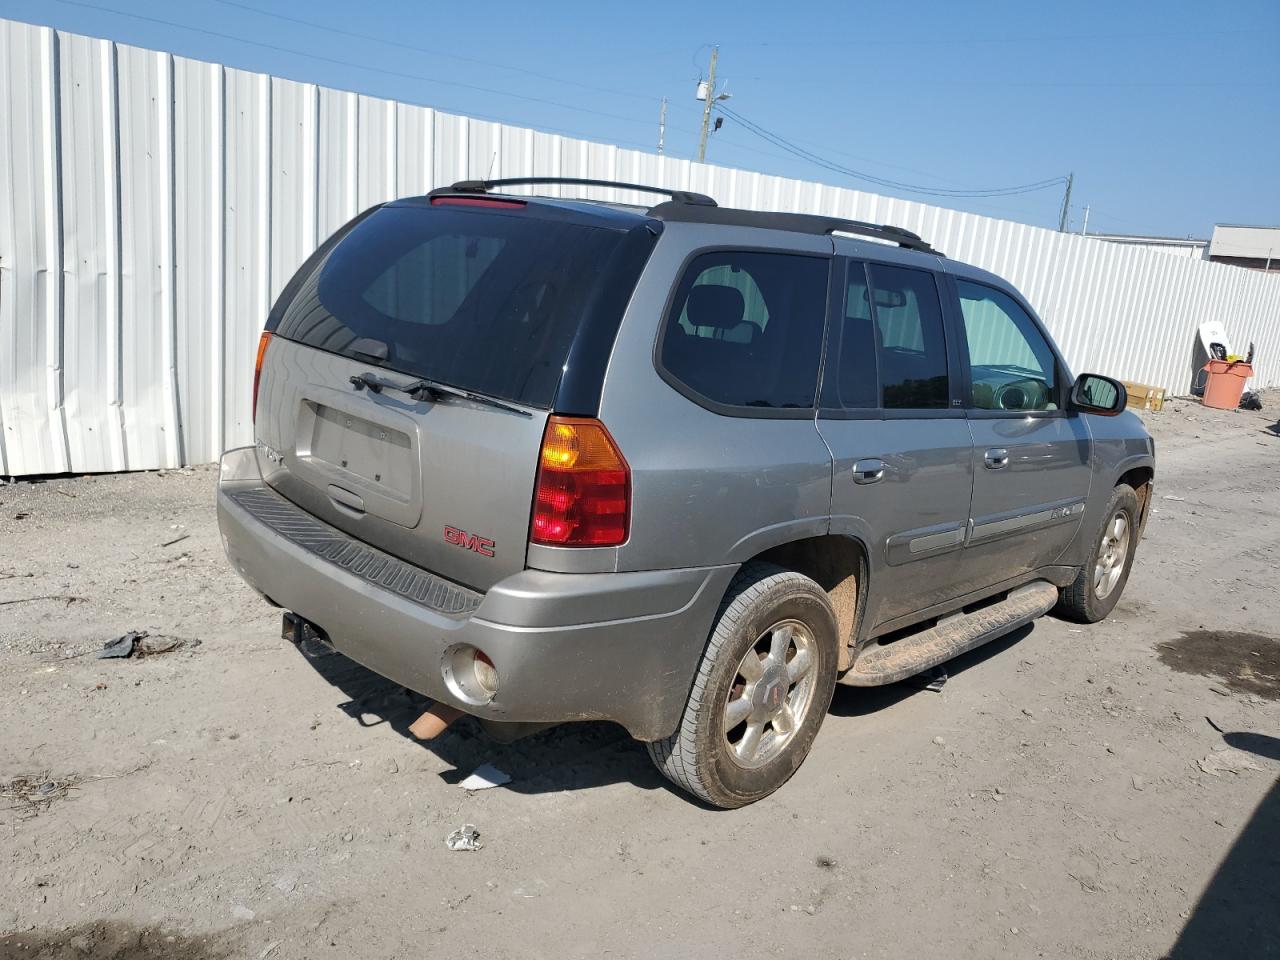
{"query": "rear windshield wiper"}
[(423, 389)]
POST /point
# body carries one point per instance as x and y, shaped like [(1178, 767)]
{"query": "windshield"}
[(482, 301)]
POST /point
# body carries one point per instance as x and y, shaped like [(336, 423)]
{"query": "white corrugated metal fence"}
[(151, 208)]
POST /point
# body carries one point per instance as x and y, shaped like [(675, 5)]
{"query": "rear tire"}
[(761, 691), (1100, 582)]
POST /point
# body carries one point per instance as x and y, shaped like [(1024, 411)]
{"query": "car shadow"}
[(571, 756), (1236, 915), (861, 701)]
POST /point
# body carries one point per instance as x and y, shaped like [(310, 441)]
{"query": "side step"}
[(950, 637)]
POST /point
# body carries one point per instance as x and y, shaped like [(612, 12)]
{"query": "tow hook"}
[(306, 636)]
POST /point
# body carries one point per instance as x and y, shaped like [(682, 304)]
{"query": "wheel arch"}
[(1142, 479), (839, 565)]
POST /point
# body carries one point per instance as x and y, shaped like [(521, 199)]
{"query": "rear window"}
[(482, 301)]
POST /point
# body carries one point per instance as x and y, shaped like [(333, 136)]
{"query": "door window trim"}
[(953, 315), (728, 409)]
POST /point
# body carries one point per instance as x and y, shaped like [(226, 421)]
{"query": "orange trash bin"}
[(1225, 383)]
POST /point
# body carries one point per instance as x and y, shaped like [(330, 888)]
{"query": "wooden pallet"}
[(1144, 397)]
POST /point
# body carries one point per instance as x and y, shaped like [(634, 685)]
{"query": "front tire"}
[(1097, 587), (761, 692)]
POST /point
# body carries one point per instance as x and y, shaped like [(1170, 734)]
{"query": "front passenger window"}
[(1011, 365)]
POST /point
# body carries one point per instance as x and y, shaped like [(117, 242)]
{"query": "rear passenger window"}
[(745, 329), (913, 349)]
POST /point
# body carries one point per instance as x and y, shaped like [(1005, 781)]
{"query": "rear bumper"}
[(597, 646)]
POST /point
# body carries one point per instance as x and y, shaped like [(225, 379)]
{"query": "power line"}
[(953, 193), (988, 39), (435, 53), (358, 66)]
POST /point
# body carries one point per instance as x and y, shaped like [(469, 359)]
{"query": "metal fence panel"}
[(152, 207)]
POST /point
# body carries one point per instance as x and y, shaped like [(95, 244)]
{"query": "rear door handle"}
[(868, 471), (997, 458)]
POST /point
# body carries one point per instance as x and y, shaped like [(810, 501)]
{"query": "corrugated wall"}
[(151, 208)]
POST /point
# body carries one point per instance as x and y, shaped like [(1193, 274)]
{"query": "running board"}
[(951, 636)]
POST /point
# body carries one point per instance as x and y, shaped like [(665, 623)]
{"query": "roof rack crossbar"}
[(795, 222), (484, 186)]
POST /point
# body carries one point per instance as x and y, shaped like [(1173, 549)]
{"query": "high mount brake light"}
[(474, 202), (263, 342), (582, 497)]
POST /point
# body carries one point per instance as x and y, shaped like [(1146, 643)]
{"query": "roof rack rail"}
[(796, 222), (484, 186)]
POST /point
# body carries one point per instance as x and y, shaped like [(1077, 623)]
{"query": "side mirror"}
[(1094, 393)]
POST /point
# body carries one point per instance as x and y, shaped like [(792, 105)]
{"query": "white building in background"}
[(1185, 247), (1257, 248), (152, 207)]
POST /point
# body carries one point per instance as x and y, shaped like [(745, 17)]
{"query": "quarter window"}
[(745, 329), (1011, 365), (913, 348)]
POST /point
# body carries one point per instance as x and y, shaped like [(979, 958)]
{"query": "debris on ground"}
[(141, 644), (48, 596), (120, 646), (467, 837), (485, 777), (932, 680), (1226, 760), (31, 796), (178, 539)]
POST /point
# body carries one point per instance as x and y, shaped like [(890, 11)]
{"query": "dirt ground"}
[(1073, 792)]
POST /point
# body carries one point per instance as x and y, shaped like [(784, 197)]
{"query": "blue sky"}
[(1166, 113)]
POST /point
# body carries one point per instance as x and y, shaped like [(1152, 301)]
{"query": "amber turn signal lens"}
[(263, 342)]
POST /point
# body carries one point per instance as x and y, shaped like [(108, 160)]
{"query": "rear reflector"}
[(263, 341), (582, 497), (474, 202)]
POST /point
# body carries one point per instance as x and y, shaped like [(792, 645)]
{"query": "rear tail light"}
[(257, 369), (582, 497)]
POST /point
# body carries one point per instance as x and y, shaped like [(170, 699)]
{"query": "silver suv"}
[(683, 468)]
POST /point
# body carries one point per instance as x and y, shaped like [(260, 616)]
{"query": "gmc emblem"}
[(469, 541)]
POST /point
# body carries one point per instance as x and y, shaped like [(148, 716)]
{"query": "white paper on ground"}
[(485, 777)]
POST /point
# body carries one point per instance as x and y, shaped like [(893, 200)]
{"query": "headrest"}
[(715, 305)]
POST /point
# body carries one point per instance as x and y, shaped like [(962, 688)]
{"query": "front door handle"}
[(868, 471), (997, 458)]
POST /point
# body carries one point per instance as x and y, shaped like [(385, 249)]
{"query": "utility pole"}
[(662, 126), (1084, 231), (707, 94), (1066, 204)]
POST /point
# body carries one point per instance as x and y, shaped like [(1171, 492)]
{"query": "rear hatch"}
[(484, 300)]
